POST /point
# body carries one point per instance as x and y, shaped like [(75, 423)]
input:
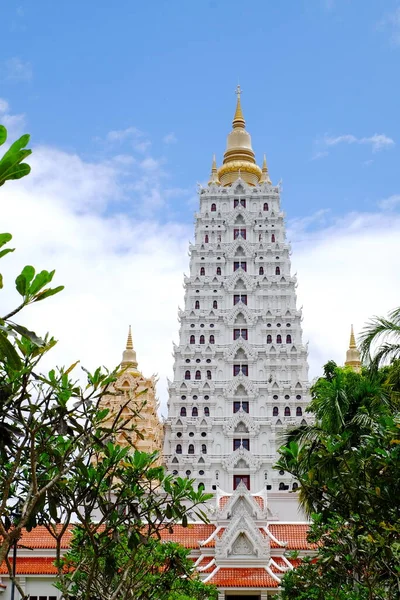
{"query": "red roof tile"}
[(255, 578), (39, 565), (39, 537), (189, 536), (295, 535)]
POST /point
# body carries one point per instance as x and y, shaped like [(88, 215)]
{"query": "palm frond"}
[(379, 330)]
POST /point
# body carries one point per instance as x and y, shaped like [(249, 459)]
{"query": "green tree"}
[(348, 467)]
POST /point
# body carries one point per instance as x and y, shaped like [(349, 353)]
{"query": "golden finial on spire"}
[(265, 175), (129, 342), (238, 119), (129, 355), (353, 358), (214, 173), (352, 339)]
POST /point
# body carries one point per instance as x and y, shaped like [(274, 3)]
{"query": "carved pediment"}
[(244, 381), (249, 282), (233, 249), (240, 345), (241, 453), (242, 538), (241, 417), (250, 317)]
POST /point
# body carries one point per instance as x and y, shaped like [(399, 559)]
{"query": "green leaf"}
[(23, 280), (6, 251), (4, 238), (31, 335), (18, 171), (8, 352), (3, 134), (48, 292), (40, 280)]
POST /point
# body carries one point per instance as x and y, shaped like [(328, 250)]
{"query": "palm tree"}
[(383, 333)]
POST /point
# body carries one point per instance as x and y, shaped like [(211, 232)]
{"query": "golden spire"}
[(129, 355), (214, 173), (265, 175), (238, 119), (352, 339), (353, 357), (239, 159)]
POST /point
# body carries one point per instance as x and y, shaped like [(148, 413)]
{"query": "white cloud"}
[(345, 272), (122, 266), (3, 106), (319, 154), (378, 141), (391, 23), (170, 138), (16, 70), (136, 138), (390, 203)]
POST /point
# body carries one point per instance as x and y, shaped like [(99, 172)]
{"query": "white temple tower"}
[(240, 371)]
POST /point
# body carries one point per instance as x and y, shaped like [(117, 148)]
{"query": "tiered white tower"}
[(240, 372)]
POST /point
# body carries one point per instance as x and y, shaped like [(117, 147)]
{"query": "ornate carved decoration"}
[(241, 417), (240, 344), (240, 379), (230, 462)]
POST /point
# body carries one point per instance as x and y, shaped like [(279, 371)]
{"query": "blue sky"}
[(310, 70), (127, 102)]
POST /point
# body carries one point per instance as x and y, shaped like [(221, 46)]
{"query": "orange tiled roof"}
[(32, 565), (224, 500), (39, 537), (295, 535), (189, 536), (255, 578)]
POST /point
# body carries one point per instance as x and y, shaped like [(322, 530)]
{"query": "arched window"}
[(206, 411), (202, 271), (218, 270), (295, 486), (215, 304), (183, 411), (191, 449), (178, 449), (288, 339), (187, 374), (206, 238), (299, 411), (287, 411), (265, 205), (197, 304), (261, 271), (277, 271), (275, 411), (192, 339), (200, 487), (208, 374), (279, 339), (281, 486), (212, 339), (269, 339), (273, 237), (198, 374), (195, 412), (203, 449), (202, 339), (213, 207)]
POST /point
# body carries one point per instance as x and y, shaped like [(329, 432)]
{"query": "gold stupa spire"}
[(353, 357), (129, 354), (214, 173), (238, 119), (265, 175), (239, 158)]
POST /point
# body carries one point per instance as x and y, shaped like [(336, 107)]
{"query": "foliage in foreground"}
[(59, 460), (348, 467)]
